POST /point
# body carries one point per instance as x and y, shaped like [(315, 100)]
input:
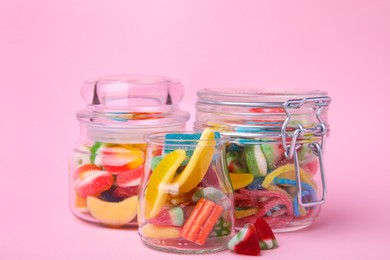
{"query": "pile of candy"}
[(265, 184), (186, 204), (105, 182)]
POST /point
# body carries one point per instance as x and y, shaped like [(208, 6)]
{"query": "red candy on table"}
[(245, 241), (252, 238), (266, 236)]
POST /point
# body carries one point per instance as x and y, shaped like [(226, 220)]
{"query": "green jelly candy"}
[(155, 161), (255, 159), (94, 150), (216, 196), (222, 228)]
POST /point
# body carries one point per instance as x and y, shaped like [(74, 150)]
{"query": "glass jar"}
[(186, 199), (106, 165), (275, 152)]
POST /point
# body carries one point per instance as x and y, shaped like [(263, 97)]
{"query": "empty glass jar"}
[(107, 164), (275, 152)]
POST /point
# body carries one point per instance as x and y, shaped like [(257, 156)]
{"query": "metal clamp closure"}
[(316, 149), (318, 130), (290, 150)]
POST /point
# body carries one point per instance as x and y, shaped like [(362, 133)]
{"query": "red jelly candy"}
[(245, 242)]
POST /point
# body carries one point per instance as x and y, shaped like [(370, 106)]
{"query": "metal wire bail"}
[(290, 150)]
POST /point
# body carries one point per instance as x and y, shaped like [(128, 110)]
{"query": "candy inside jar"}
[(186, 199), (106, 166), (275, 153), (105, 182), (266, 186)]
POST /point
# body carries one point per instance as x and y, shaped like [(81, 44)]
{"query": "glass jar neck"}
[(122, 108), (184, 138), (262, 114), (123, 135)]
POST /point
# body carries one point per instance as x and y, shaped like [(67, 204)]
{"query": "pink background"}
[(48, 48)]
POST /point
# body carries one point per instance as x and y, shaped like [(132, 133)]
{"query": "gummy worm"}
[(305, 186), (275, 192), (290, 170)]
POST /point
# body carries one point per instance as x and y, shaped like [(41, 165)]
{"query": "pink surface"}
[(48, 48)]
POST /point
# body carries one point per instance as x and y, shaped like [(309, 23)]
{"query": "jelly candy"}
[(235, 162), (82, 156), (131, 177), (200, 161), (125, 192), (171, 217), (240, 180), (162, 176), (81, 204), (222, 228), (83, 170), (201, 221), (212, 194), (118, 159), (256, 184), (114, 214), (273, 154), (242, 213), (288, 171), (245, 242), (161, 232), (257, 164), (94, 182), (266, 236)]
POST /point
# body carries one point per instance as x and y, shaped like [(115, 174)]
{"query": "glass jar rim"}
[(142, 90), (259, 97), (161, 138), (256, 113), (132, 101)]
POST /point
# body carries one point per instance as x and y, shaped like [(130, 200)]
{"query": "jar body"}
[(271, 190), (104, 180), (274, 155), (106, 166), (186, 199)]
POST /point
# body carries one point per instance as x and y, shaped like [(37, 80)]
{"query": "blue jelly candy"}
[(184, 141), (256, 184)]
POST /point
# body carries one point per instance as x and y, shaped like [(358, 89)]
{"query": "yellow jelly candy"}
[(240, 180), (114, 214), (121, 156), (156, 231), (142, 147), (160, 182), (135, 157), (199, 162), (288, 172), (245, 212), (81, 204)]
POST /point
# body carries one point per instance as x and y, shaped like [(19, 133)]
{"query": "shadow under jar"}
[(275, 153), (107, 164), (186, 199)]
